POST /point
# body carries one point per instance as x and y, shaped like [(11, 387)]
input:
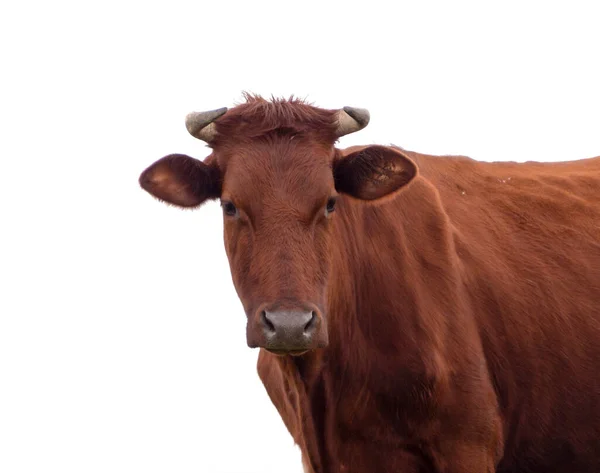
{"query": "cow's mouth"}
[(286, 352)]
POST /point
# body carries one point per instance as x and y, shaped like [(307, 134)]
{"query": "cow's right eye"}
[(331, 205), (229, 209)]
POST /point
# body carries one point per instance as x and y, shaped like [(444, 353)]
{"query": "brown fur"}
[(463, 308), (258, 118)]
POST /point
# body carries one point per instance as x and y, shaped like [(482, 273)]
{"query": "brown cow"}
[(415, 313)]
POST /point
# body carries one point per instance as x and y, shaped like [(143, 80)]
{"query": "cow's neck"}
[(395, 285)]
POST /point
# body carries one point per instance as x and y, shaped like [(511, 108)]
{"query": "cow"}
[(414, 313)]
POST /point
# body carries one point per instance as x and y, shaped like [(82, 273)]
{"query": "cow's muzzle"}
[(288, 330)]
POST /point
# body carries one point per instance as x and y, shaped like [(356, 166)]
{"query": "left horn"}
[(200, 124), (351, 119)]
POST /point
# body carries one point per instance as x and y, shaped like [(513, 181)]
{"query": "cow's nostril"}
[(266, 322), (311, 323)]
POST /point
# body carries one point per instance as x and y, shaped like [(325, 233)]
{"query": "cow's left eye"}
[(331, 205), (229, 209)]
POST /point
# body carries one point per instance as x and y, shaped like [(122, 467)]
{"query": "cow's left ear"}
[(373, 172), (182, 181)]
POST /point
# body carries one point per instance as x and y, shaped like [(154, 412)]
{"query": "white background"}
[(122, 341)]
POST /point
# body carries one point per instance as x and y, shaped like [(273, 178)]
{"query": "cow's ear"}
[(182, 181), (373, 172)]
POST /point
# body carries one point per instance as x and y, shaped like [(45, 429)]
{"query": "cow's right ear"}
[(182, 181)]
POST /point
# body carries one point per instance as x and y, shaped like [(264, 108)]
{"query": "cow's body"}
[(470, 302), (416, 314)]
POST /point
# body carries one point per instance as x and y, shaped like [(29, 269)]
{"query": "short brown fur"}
[(463, 309)]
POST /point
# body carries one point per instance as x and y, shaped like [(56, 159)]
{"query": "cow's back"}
[(528, 239)]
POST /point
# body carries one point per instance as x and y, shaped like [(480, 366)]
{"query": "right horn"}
[(200, 124), (351, 119)]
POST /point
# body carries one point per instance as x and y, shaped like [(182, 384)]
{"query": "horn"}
[(351, 119), (200, 124)]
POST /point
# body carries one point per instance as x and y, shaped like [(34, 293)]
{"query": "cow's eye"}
[(229, 209), (331, 205)]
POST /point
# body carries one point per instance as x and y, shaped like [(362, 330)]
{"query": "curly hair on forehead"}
[(258, 117)]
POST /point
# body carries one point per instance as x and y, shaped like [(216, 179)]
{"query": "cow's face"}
[(279, 201), (280, 196)]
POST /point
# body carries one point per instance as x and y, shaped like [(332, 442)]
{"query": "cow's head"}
[(280, 181)]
